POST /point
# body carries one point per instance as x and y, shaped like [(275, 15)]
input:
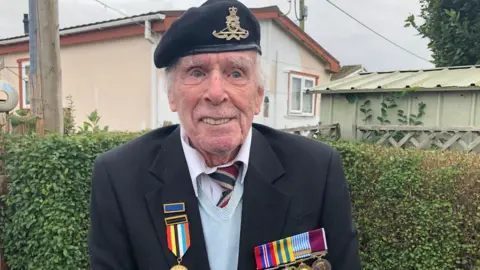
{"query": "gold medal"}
[(321, 264), (303, 266), (178, 267)]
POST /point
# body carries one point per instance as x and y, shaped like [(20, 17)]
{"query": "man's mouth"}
[(213, 121)]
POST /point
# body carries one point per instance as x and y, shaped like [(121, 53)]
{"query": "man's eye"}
[(236, 74), (197, 73)]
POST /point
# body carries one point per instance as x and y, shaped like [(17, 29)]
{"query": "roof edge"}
[(91, 27), (392, 90), (20, 43)]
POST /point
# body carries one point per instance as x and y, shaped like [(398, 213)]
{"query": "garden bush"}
[(414, 210)]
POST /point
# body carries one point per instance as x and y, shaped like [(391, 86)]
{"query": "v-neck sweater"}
[(221, 229)]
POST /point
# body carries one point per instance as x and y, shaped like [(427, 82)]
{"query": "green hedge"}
[(414, 210), (46, 215)]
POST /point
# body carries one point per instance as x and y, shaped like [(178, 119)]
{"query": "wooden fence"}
[(330, 131), (465, 139), (4, 124)]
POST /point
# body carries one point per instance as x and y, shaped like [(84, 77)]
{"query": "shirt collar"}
[(196, 162)]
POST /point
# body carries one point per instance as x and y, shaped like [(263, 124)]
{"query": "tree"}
[(453, 28)]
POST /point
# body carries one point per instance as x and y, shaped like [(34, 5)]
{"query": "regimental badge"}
[(178, 232), (233, 29), (294, 250)]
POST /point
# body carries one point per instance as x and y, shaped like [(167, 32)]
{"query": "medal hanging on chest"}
[(178, 234), (321, 264)]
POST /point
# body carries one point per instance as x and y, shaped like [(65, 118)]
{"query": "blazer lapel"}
[(264, 206), (175, 185)]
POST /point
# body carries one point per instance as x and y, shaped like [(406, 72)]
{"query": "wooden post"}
[(34, 85), (48, 74), (355, 120)]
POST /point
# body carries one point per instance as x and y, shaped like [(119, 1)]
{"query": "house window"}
[(301, 103), (25, 86)]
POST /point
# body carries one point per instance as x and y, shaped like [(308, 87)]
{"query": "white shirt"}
[(199, 170)]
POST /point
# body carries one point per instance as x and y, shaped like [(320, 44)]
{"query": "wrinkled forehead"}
[(244, 59)]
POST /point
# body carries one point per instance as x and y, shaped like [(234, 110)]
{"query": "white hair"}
[(259, 78)]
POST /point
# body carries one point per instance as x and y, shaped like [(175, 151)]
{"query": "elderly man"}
[(218, 192)]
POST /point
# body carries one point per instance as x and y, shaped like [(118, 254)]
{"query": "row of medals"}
[(319, 264)]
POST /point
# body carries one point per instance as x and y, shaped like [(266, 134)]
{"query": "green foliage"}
[(366, 110), (46, 218), (353, 97), (22, 119), (92, 125), (414, 210), (414, 119), (387, 104), (453, 28), (68, 117)]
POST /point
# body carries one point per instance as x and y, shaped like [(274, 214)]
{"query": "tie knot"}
[(230, 171), (226, 176)]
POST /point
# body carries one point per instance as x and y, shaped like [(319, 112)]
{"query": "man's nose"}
[(216, 93)]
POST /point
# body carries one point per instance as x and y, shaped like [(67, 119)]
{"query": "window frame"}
[(303, 77), (24, 80), (22, 63)]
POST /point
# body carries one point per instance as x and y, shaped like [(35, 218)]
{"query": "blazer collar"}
[(174, 186)]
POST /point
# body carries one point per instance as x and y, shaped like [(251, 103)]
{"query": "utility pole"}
[(303, 14), (46, 100), (302, 17), (36, 108)]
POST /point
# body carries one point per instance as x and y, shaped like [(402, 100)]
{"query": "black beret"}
[(215, 26)]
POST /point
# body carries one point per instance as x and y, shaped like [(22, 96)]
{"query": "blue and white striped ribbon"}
[(300, 242)]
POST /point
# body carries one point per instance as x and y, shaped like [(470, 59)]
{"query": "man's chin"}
[(221, 143)]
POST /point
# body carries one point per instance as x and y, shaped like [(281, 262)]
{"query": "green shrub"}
[(46, 218), (414, 210)]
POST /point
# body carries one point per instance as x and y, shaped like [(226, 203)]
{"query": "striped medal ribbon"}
[(178, 234), (292, 250)]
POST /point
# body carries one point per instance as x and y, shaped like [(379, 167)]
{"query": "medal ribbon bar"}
[(291, 249)]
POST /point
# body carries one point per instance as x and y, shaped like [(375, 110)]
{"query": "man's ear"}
[(259, 100), (172, 100)]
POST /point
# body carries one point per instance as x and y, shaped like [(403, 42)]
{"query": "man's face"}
[(216, 96)]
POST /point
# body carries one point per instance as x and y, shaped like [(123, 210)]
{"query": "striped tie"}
[(226, 177)]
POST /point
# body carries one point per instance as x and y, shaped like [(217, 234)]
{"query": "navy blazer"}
[(293, 184)]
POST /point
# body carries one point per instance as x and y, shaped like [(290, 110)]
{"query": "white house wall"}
[(281, 53)]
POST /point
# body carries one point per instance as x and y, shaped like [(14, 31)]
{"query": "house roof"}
[(161, 21), (128, 20), (345, 71), (436, 79)]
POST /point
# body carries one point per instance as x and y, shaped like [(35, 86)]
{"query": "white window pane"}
[(308, 83), (296, 93), (308, 99), (27, 92), (26, 88), (307, 103)]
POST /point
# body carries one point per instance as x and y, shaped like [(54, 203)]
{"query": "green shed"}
[(421, 108)]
